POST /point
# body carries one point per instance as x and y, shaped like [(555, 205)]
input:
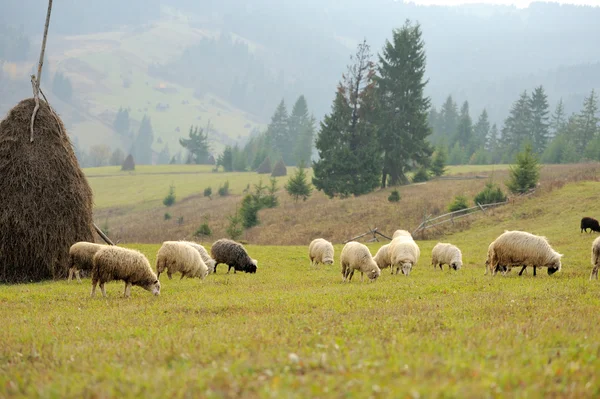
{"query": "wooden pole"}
[(104, 236), (35, 82)]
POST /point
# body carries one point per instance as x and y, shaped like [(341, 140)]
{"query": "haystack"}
[(45, 199)]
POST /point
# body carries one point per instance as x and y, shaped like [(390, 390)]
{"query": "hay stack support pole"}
[(35, 82), (104, 236)]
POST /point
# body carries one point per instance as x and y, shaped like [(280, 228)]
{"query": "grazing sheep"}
[(208, 261), (446, 254), (501, 268), (116, 263), (519, 248), (404, 254), (320, 251), (232, 254), (81, 255), (356, 256), (402, 233), (589, 223), (178, 256), (595, 258), (382, 258)]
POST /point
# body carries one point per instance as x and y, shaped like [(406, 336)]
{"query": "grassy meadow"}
[(292, 330)]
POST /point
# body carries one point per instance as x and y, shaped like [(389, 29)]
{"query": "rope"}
[(35, 82)]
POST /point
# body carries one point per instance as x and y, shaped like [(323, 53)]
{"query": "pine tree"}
[(225, 159), (404, 106), (539, 119), (525, 174), (587, 123), (142, 146), (121, 123), (464, 130), (438, 164), (517, 127), (448, 120), (481, 130), (197, 145), (279, 134), (350, 156), (298, 186), (558, 120), (301, 129), (493, 145)]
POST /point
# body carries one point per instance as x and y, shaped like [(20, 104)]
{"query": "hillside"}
[(138, 216)]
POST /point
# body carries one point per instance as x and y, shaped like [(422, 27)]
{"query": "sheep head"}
[(153, 287), (406, 268)]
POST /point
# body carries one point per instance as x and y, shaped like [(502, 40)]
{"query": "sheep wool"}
[(81, 255), (519, 248), (116, 263), (402, 233), (320, 251), (180, 257), (382, 257), (446, 254), (232, 254), (595, 258), (404, 254), (208, 261), (356, 256)]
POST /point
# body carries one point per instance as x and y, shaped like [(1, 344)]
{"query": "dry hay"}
[(46, 199)]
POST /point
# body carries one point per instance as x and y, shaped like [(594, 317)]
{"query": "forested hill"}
[(256, 52)]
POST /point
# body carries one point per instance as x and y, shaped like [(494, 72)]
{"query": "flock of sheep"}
[(510, 249), (108, 263)]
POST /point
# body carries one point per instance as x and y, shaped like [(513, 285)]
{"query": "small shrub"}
[(279, 169), (224, 189), (235, 228), (298, 186), (170, 198), (167, 216), (526, 173), (208, 192), (420, 176), (203, 230), (249, 211), (460, 202), (394, 196), (180, 220), (264, 167), (270, 200), (490, 195), (128, 163), (438, 164)]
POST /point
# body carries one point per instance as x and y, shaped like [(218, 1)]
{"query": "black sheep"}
[(589, 223)]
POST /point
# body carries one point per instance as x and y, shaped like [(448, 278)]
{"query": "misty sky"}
[(518, 3)]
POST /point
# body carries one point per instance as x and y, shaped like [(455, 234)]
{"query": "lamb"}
[(382, 258), (208, 261), (404, 254), (519, 248), (81, 255), (180, 257), (320, 251), (402, 233), (232, 254), (116, 263), (448, 254), (595, 258), (589, 223), (356, 256)]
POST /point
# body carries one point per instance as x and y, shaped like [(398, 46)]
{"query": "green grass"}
[(450, 334), (148, 185)]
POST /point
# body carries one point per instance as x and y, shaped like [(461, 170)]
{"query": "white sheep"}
[(519, 248), (402, 233), (320, 251), (404, 254), (116, 263), (208, 261), (446, 254), (81, 255), (595, 258), (180, 257), (356, 256), (382, 258)]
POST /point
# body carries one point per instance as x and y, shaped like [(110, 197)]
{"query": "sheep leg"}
[(350, 275), (77, 275), (362, 276), (182, 276), (594, 273), (94, 283), (441, 268), (70, 274), (103, 290), (169, 275), (534, 267), (523, 269), (127, 292)]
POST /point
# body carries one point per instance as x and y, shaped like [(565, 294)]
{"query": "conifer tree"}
[(278, 132), (403, 105), (587, 123), (526, 173), (301, 129), (197, 145), (448, 120), (539, 119), (481, 130), (298, 186), (464, 130), (558, 120), (517, 127), (142, 146)]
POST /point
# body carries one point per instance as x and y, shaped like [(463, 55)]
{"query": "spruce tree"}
[(349, 152), (517, 127), (525, 174), (464, 130), (197, 145), (121, 123), (404, 106), (298, 186), (481, 130), (301, 130), (438, 164), (142, 146), (539, 119), (448, 118), (558, 120), (279, 134), (587, 123)]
